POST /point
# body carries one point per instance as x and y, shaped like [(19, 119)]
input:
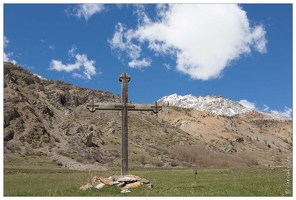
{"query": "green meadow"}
[(40, 176)]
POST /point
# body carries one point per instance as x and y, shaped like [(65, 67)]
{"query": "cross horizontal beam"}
[(119, 106)]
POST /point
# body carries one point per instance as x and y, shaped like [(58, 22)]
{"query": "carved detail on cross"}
[(124, 106)]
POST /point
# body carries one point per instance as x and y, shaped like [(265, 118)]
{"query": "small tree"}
[(142, 160)]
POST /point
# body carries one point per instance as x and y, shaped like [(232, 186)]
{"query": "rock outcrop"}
[(124, 182)]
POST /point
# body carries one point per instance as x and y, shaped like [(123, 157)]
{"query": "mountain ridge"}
[(213, 104)]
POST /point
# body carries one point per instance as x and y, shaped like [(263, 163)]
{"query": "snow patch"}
[(40, 77)]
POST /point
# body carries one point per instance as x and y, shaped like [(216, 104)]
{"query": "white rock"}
[(100, 185), (125, 191), (119, 184)]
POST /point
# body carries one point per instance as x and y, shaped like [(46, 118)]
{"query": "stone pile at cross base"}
[(124, 182)]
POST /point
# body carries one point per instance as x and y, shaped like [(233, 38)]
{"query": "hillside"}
[(45, 117)]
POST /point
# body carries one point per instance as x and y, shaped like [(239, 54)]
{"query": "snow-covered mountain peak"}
[(214, 104)]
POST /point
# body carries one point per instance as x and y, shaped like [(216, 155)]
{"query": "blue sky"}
[(242, 52)]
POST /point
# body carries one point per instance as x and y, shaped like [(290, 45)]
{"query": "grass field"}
[(39, 176)]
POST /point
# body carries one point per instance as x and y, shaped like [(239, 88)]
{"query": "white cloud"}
[(140, 63), (167, 66), (52, 46), (72, 51), (117, 40), (265, 108), (204, 38), (258, 37), (7, 56), (122, 42), (287, 112), (85, 10), (81, 61), (121, 6), (6, 41), (248, 104)]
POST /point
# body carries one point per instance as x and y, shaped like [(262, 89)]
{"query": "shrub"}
[(142, 160), (114, 153), (158, 164), (79, 160), (174, 163), (97, 158)]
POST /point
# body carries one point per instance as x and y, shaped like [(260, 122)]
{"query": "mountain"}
[(213, 104), (49, 118)]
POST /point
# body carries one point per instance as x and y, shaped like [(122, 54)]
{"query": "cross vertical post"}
[(124, 78), (124, 106)]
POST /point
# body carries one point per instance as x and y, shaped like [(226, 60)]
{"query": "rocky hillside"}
[(45, 117)]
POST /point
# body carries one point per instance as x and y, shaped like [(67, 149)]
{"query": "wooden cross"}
[(124, 106)]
